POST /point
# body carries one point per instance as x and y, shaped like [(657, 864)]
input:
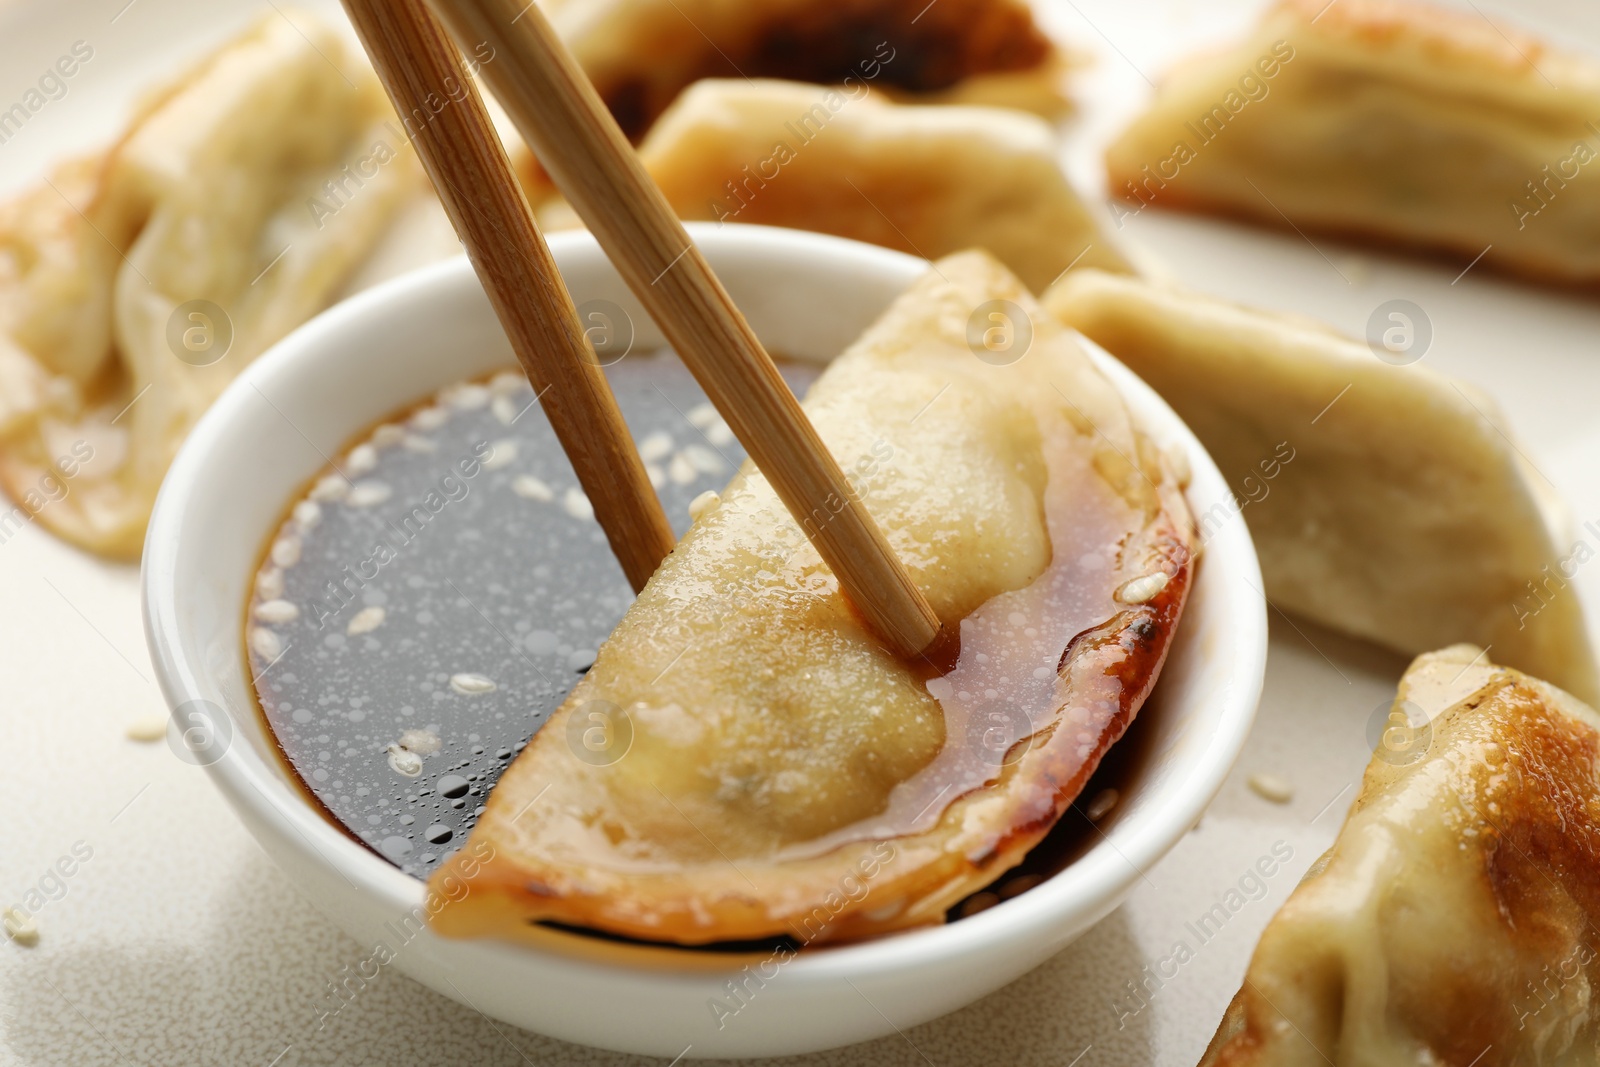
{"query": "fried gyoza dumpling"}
[(1454, 920), (743, 747), (136, 285), (641, 54), (925, 180), (1385, 501), (1401, 121)]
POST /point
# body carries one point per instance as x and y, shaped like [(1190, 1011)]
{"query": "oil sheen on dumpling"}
[(775, 752), (136, 285), (1407, 122), (924, 180), (1388, 502), (1454, 921)]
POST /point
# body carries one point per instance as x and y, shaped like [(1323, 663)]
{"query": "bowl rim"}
[(1093, 884)]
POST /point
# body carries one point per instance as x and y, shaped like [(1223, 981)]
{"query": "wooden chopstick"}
[(422, 70), (557, 109)]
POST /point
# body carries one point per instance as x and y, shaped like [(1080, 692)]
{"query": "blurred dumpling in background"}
[(641, 54), (135, 285), (925, 180), (1388, 502), (1388, 119)]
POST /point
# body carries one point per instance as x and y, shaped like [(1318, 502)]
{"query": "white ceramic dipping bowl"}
[(807, 296)]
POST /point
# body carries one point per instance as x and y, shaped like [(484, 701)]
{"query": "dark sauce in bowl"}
[(432, 599)]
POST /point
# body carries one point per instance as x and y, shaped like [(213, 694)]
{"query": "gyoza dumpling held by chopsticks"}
[(743, 743)]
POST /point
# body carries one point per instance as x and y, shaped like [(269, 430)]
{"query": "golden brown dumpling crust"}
[(1403, 122), (642, 53), (786, 774), (1454, 920)]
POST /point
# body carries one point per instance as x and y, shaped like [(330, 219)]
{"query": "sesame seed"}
[(1102, 804), (269, 583), (577, 505), (501, 453), (361, 459), (469, 684), (19, 926), (403, 761), (430, 418), (466, 396), (266, 643), (368, 494), (531, 488), (1142, 589), (507, 381), (366, 620), (706, 501), (388, 435), (656, 446), (330, 487), (147, 729), (1273, 787), (277, 612), (703, 459), (286, 551)]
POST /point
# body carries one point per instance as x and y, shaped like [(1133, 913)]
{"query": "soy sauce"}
[(433, 598)]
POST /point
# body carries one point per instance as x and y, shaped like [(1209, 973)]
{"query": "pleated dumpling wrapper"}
[(641, 54), (1386, 501), (1454, 920), (744, 760), (925, 180), (1409, 123), (136, 284)]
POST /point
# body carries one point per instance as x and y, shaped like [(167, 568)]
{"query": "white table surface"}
[(178, 942)]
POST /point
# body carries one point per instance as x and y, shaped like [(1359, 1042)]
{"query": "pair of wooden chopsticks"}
[(580, 144)]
